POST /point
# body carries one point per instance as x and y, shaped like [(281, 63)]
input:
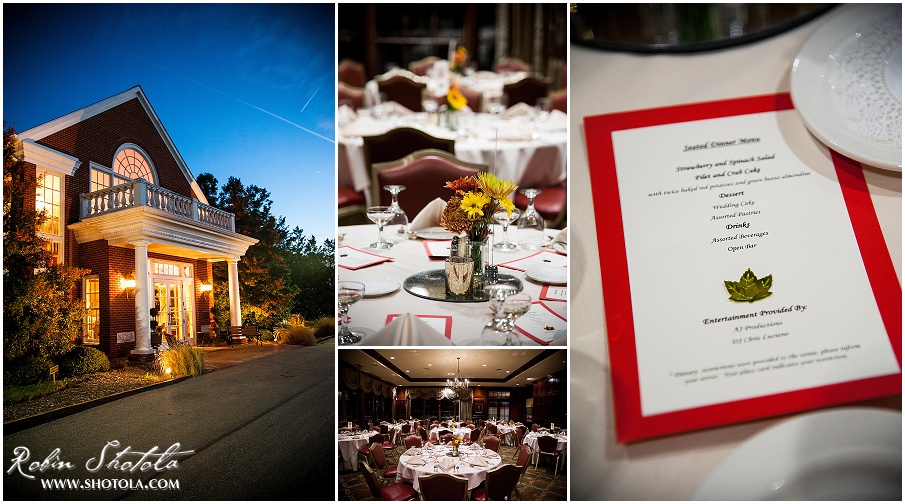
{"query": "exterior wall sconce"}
[(128, 285), (205, 288)]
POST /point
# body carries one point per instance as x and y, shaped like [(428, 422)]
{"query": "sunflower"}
[(508, 205), (455, 99), (473, 203), (494, 187)]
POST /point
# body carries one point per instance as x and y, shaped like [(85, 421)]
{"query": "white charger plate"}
[(380, 286), (846, 453), (554, 275), (815, 72)]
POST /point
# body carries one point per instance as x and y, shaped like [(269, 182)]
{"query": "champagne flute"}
[(349, 294), (514, 307), (505, 218), (380, 215)]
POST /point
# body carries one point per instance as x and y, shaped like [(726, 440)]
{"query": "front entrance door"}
[(174, 300)]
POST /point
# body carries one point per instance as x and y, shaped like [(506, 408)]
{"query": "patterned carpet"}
[(534, 485)]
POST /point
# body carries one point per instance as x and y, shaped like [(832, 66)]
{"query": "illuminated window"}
[(92, 327), (49, 199), (132, 163)]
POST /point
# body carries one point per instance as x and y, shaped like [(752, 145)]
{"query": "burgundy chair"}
[(443, 487), (365, 450), (533, 427), (380, 462), (475, 98), (551, 204), (421, 66), (500, 483), (355, 95), (526, 90), (413, 442), (559, 101), (546, 446), (403, 88), (397, 143), (446, 438), (475, 436), (352, 73), (424, 174), (350, 204), (492, 443), (511, 65), (423, 432), (394, 492)]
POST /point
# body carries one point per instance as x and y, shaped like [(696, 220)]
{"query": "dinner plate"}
[(554, 275), (840, 454), (434, 234), (847, 83), (380, 286)]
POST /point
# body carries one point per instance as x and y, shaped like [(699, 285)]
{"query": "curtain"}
[(354, 379)]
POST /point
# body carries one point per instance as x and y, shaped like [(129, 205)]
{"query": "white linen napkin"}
[(520, 109), (478, 461), (372, 94), (447, 463), (364, 125), (396, 109), (429, 216), (563, 235), (514, 131), (415, 461), (411, 451), (406, 330), (556, 121)]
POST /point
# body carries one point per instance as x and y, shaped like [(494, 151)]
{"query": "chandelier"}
[(458, 384)]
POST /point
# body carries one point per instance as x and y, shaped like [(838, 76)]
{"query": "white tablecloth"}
[(529, 163), (348, 448), (468, 319), (474, 474), (562, 444), (671, 468), (465, 433)]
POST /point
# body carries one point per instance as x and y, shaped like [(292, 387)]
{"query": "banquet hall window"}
[(92, 295), (48, 199), (131, 162)]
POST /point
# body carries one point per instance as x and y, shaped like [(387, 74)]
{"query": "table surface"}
[(410, 257), (474, 474), (673, 467)]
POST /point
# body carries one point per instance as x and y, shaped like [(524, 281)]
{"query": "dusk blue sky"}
[(244, 90)]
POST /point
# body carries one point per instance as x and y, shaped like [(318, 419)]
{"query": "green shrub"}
[(25, 371), (265, 335), (299, 336), (179, 361), (28, 392), (83, 360)]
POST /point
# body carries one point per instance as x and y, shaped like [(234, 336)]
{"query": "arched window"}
[(131, 162)]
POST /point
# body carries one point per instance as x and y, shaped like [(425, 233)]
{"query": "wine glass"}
[(542, 108), (380, 215), (496, 332), (505, 218), (531, 224), (496, 104), (349, 294), (514, 307), (398, 225)]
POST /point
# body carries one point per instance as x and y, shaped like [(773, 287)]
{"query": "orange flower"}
[(463, 184)]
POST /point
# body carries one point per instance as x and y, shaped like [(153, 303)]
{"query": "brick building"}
[(122, 203)]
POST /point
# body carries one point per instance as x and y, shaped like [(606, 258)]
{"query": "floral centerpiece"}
[(557, 430), (459, 60), (456, 441), (455, 102), (469, 211)]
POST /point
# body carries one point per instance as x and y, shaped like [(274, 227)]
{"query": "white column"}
[(235, 308), (142, 301)]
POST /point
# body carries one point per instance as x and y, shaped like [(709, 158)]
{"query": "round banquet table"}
[(672, 467), (409, 257), (506, 431), (349, 446), (431, 454), (463, 432), (513, 156), (562, 444)]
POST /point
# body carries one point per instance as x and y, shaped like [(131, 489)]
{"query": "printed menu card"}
[(744, 275)]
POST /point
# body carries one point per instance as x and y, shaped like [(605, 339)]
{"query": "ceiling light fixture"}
[(457, 384)]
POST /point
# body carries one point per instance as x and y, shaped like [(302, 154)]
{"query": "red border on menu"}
[(631, 425), (533, 337), (447, 328)]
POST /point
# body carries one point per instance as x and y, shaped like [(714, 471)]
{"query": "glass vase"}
[(479, 253)]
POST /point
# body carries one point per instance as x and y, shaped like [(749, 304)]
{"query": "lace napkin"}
[(429, 216), (407, 330), (415, 461)]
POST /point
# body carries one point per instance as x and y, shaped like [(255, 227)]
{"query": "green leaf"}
[(749, 288)]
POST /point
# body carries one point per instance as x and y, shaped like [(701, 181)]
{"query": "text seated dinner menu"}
[(744, 275)]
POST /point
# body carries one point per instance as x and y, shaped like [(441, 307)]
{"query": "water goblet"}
[(514, 306), (505, 218), (349, 294), (496, 332), (397, 226), (531, 223), (380, 215)]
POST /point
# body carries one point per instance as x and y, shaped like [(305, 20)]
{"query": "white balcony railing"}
[(140, 192)]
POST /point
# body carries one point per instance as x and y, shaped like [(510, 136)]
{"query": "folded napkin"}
[(556, 121), (478, 461), (396, 109), (429, 216), (411, 451), (563, 235), (514, 131), (364, 125), (406, 330), (447, 463), (520, 109), (345, 114), (371, 94), (415, 461)]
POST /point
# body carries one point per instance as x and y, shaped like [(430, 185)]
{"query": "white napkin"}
[(520, 109), (406, 330), (395, 109), (556, 121), (415, 461), (345, 114), (365, 125), (514, 131), (563, 235), (478, 461), (411, 451), (429, 216), (447, 463)]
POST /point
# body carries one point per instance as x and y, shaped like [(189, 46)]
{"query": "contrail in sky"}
[(306, 130), (309, 99)]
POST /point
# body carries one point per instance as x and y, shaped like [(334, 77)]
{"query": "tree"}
[(40, 317), (311, 271)]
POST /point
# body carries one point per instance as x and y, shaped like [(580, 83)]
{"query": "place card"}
[(437, 249), (441, 323), (744, 273), (541, 324), (351, 258), (541, 258), (554, 293)]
